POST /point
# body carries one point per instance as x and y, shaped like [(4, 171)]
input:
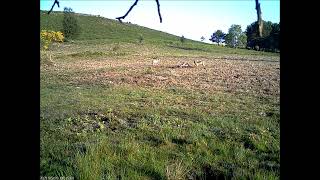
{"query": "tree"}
[(182, 39), (265, 41), (274, 37), (242, 40), (71, 29), (234, 36), (228, 39), (217, 37), (202, 38)]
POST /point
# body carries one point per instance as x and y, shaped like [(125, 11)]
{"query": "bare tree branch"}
[(135, 3), (55, 2), (158, 4), (121, 17), (124, 16)]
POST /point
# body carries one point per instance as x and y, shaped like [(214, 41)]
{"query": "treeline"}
[(270, 40), (236, 38)]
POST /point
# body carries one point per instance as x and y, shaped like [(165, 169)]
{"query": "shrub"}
[(140, 38), (71, 29), (182, 39), (47, 37)]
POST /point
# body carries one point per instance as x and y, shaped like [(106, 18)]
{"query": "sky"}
[(189, 18)]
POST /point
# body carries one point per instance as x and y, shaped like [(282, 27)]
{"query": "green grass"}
[(112, 129), (148, 132)]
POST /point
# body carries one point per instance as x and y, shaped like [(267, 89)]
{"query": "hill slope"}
[(94, 27), (98, 29)]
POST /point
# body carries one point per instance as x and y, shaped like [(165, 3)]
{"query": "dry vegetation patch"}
[(259, 77)]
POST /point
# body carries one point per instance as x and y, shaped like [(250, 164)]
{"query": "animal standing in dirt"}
[(197, 63), (155, 62)]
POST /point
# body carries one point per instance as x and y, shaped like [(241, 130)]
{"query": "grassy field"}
[(108, 113)]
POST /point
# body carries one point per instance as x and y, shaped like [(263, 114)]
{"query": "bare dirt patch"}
[(231, 75)]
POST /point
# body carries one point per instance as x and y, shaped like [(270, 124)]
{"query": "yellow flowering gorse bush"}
[(47, 37)]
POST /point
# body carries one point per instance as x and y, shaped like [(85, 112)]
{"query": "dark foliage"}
[(270, 37), (218, 37), (71, 29)]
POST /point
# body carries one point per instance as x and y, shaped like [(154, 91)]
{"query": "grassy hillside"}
[(94, 27), (108, 113), (102, 30)]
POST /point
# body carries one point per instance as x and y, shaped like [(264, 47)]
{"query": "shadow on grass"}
[(154, 140), (152, 173), (209, 173), (180, 141)]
